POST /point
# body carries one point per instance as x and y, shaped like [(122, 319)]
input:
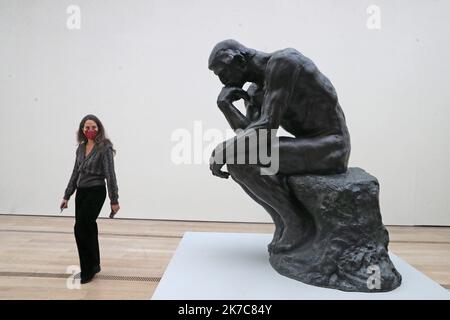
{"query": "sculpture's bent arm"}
[(281, 78), (281, 81), (274, 105), (234, 117)]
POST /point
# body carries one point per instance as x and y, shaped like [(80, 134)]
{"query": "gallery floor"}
[(37, 252)]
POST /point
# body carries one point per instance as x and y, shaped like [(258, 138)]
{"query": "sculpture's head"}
[(229, 60)]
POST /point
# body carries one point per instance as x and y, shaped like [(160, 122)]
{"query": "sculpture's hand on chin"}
[(230, 94)]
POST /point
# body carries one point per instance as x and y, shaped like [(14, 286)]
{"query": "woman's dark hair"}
[(100, 139)]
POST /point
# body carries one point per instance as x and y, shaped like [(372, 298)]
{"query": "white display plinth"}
[(224, 266)]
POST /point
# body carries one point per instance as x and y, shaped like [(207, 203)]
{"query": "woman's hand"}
[(115, 208), (63, 204)]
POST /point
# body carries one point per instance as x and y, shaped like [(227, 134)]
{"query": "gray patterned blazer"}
[(93, 169)]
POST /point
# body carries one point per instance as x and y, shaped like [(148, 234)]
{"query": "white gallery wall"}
[(141, 67)]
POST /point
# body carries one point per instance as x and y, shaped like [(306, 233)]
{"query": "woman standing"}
[(93, 164)]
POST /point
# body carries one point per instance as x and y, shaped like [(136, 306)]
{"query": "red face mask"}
[(90, 134)]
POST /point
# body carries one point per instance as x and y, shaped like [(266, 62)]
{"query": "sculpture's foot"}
[(284, 245), (276, 238), (271, 245), (279, 248)]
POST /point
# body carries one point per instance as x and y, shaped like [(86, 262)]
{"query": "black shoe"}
[(96, 270), (87, 279)]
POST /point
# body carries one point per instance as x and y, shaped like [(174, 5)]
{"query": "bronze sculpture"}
[(328, 228)]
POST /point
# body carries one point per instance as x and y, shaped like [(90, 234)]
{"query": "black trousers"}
[(88, 204)]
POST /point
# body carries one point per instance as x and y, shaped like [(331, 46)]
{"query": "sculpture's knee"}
[(241, 172)]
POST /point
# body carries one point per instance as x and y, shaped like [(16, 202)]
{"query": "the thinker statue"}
[(328, 228)]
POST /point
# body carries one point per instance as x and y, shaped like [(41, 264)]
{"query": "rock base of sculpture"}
[(347, 245)]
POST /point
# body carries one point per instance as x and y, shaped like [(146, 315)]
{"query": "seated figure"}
[(288, 90), (328, 226)]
